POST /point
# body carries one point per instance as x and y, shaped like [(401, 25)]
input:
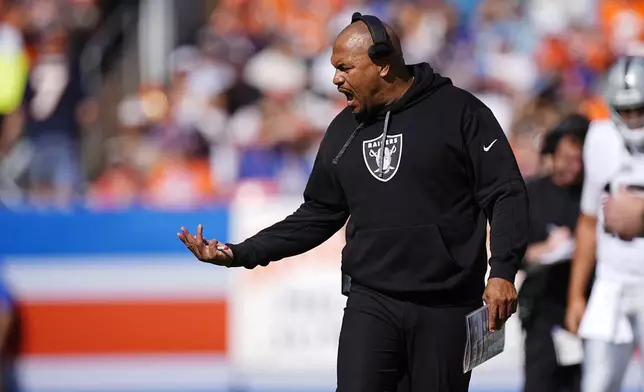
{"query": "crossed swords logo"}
[(386, 166)]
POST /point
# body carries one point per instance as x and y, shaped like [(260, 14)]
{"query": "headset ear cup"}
[(381, 47), (379, 50), (373, 52)]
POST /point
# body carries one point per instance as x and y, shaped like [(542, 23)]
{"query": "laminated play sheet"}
[(482, 344)]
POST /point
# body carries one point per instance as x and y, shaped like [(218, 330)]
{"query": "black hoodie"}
[(419, 207)]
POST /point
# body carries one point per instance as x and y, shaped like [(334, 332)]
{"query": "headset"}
[(381, 42)]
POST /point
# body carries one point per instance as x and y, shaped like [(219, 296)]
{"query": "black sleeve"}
[(500, 192), (322, 214)]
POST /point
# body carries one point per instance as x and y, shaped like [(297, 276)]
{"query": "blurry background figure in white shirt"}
[(612, 323)]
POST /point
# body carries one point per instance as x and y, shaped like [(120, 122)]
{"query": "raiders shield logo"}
[(385, 170)]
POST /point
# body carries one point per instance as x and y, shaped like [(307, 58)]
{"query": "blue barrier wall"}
[(87, 232)]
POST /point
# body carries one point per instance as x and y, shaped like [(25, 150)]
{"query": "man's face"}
[(356, 76), (633, 117), (567, 162)]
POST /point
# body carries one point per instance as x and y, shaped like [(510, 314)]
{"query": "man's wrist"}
[(231, 257), (503, 271), (242, 254)]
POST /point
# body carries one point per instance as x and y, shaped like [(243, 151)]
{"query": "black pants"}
[(542, 372), (389, 345)]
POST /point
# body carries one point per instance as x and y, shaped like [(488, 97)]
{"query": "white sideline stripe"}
[(186, 372), (114, 279), (123, 372)]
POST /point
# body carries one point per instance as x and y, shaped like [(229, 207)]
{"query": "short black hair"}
[(574, 126)]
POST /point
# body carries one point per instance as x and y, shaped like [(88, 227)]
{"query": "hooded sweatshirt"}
[(420, 178)]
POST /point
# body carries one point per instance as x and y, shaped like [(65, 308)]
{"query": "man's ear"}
[(384, 70)]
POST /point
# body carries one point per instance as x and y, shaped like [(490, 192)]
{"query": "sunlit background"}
[(143, 116)]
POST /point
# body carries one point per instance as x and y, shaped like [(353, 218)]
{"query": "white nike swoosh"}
[(487, 148)]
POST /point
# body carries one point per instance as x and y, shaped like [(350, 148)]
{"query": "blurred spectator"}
[(622, 22), (118, 187), (54, 107), (13, 57), (13, 71), (84, 13), (43, 13), (121, 183), (179, 182), (504, 43), (252, 94), (305, 21), (346, 10), (276, 135), (226, 38), (554, 208), (425, 29), (552, 17), (273, 135)]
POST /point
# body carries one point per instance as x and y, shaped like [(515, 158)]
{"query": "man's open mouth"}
[(348, 95)]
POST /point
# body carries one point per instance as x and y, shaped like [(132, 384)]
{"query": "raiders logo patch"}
[(383, 161)]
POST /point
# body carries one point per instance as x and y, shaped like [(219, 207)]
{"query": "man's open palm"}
[(208, 251)]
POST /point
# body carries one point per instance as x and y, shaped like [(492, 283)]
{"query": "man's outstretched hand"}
[(208, 251), (501, 297)]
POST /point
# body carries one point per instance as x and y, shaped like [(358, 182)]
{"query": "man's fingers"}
[(513, 307), (504, 314), (199, 235), (203, 249), (500, 313), (191, 242), (187, 234), (504, 311), (494, 315), (500, 296), (185, 241)]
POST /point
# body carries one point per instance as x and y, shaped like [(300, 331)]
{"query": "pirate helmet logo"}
[(383, 160)]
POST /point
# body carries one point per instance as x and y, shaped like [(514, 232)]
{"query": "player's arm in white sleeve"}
[(583, 261)]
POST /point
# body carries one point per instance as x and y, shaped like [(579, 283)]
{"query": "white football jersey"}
[(610, 166)]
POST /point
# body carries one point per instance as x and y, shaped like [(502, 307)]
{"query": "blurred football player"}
[(612, 322)]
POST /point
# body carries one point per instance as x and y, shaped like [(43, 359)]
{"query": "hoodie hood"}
[(425, 83)]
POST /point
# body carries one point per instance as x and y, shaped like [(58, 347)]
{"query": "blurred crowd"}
[(247, 100)]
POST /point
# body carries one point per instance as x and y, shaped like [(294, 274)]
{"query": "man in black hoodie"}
[(420, 166)]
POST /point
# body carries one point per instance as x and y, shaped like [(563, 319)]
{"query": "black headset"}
[(381, 43)]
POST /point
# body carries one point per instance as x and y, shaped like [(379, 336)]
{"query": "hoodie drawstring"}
[(346, 144), (381, 152)]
